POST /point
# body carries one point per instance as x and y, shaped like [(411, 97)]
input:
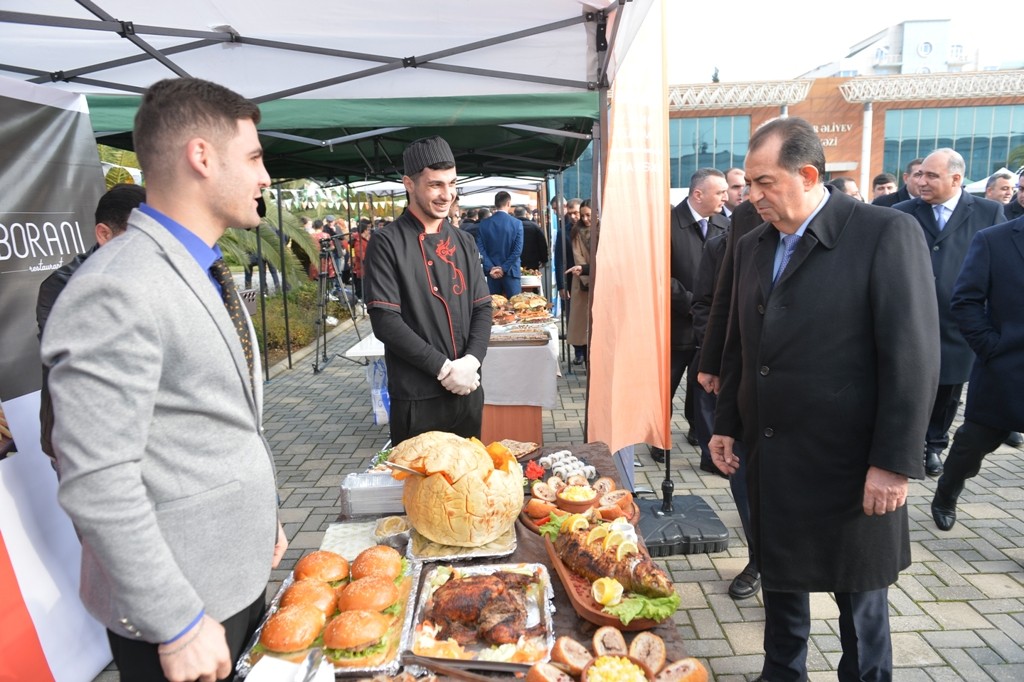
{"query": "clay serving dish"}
[(647, 675), (575, 506)]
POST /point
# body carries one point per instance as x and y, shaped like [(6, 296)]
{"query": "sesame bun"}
[(292, 629), (309, 591), (372, 593), (322, 565), (351, 631), (379, 560)]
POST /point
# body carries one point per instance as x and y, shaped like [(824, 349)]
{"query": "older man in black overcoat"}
[(827, 376), (940, 177)]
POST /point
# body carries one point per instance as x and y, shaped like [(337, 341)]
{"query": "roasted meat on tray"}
[(487, 608), (637, 572)]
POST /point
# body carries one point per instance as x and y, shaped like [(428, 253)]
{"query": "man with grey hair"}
[(1000, 187), (695, 220), (949, 218)]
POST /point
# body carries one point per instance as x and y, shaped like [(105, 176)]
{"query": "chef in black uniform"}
[(429, 304)]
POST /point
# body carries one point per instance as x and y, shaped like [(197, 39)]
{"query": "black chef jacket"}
[(428, 303)]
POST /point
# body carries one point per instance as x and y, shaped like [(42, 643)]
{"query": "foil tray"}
[(540, 609), (400, 629)]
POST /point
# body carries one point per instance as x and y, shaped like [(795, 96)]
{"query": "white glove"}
[(463, 377), (445, 369)]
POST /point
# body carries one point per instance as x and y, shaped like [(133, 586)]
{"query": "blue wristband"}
[(191, 625)]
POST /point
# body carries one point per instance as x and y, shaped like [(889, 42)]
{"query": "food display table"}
[(518, 381), (530, 548)]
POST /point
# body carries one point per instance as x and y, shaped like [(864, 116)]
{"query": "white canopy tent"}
[(345, 85)]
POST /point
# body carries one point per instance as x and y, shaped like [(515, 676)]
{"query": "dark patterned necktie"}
[(789, 241), (229, 295)]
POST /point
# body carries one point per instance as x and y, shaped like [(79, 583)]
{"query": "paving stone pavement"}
[(957, 613)]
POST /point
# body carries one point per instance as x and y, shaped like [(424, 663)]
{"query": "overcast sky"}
[(762, 40)]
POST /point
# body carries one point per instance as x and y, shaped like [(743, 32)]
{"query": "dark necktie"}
[(790, 241), (229, 295)]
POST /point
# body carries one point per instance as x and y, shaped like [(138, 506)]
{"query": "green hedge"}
[(302, 316)]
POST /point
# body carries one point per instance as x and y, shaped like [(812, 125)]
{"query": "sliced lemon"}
[(614, 539), (626, 549), (574, 523), (596, 533), (606, 591)]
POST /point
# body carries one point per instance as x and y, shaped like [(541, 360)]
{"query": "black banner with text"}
[(51, 178)]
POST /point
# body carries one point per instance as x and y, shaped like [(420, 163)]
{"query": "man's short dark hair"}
[(520, 211), (502, 198), (800, 144), (116, 205), (883, 179), (702, 174), (176, 109), (483, 213), (1001, 175), (914, 162), (840, 183)]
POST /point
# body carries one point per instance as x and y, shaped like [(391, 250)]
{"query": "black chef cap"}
[(426, 151)]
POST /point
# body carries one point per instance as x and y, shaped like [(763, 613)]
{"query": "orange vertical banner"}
[(629, 346), (23, 654)]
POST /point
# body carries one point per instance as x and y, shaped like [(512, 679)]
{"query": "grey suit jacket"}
[(165, 471), (948, 249)]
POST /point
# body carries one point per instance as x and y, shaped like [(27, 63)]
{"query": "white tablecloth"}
[(512, 375)]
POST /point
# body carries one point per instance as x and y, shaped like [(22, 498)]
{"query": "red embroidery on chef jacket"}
[(445, 250)]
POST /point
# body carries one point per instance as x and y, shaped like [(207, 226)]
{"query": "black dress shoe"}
[(932, 463), (690, 438), (943, 511), (1014, 439), (657, 454), (746, 584), (712, 469)]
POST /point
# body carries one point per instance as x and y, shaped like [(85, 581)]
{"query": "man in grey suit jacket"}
[(165, 470), (962, 216), (827, 373)]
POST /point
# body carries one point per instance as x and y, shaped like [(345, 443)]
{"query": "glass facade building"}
[(985, 136), (707, 142), (710, 142)]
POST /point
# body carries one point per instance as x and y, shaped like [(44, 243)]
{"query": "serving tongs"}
[(402, 467), (310, 666), (443, 668)]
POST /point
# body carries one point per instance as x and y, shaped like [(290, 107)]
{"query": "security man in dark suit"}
[(987, 306), (949, 218), (905, 193)]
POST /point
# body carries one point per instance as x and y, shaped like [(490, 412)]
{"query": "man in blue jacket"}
[(500, 242)]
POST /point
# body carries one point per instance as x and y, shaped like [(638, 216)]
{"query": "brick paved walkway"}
[(957, 613)]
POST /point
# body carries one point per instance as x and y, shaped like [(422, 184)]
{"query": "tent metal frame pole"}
[(284, 281), (563, 224)]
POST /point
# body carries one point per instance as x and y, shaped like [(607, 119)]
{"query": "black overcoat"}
[(988, 304), (948, 248), (832, 371), (687, 245)]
